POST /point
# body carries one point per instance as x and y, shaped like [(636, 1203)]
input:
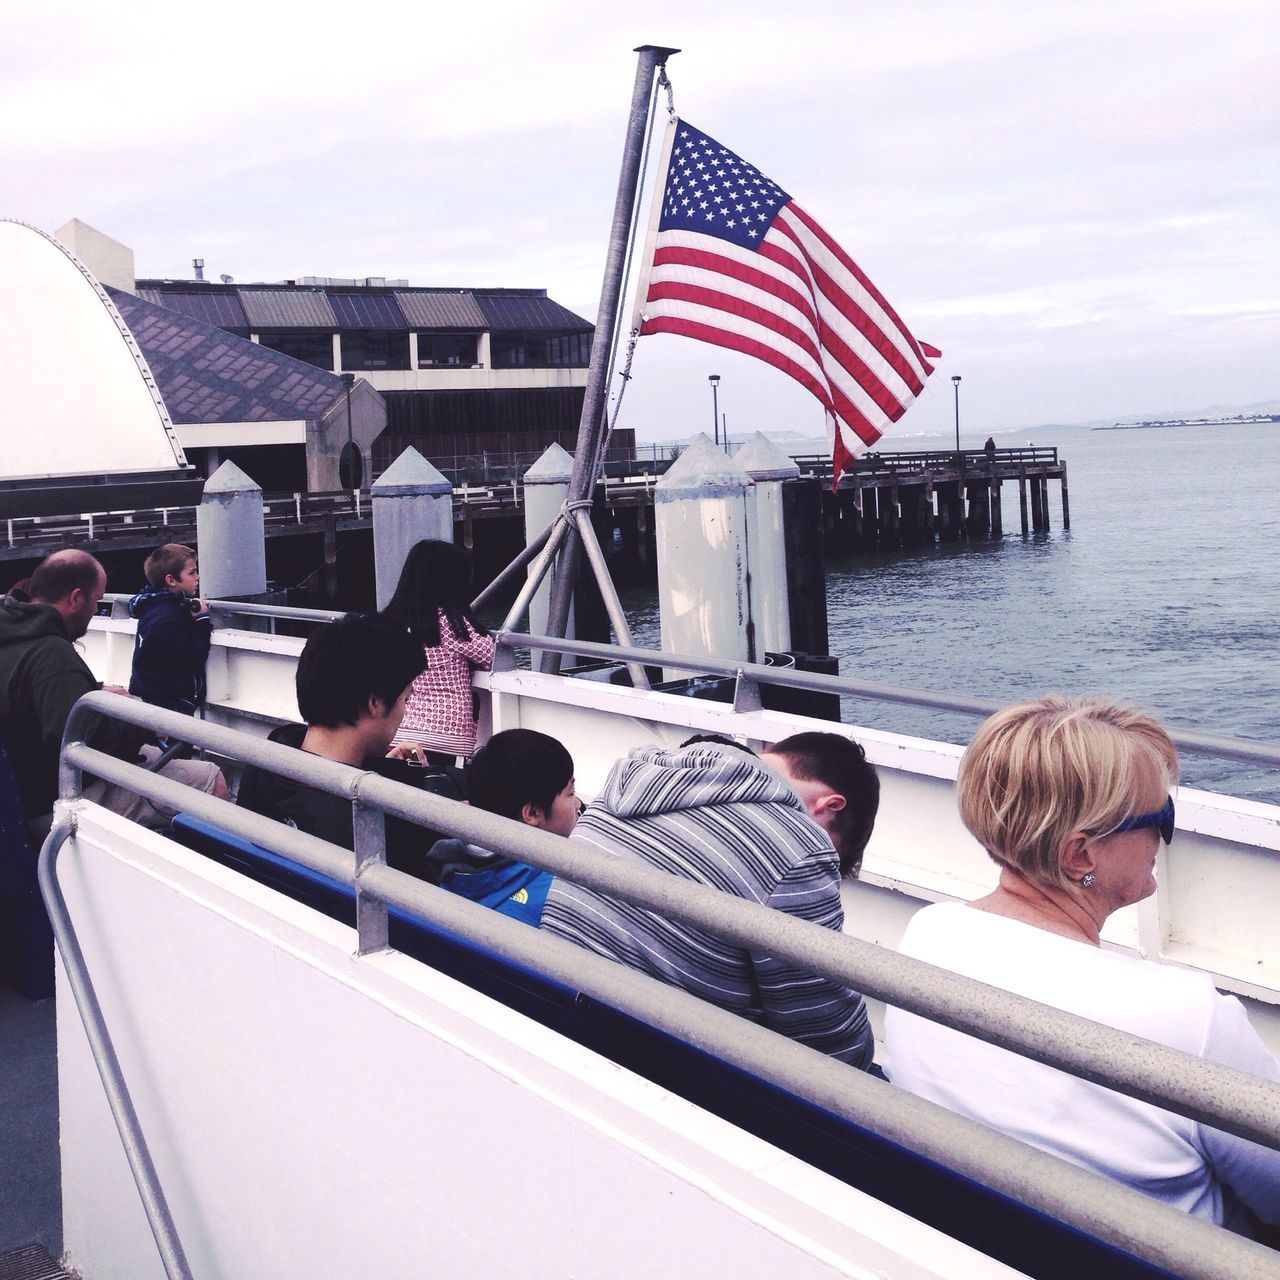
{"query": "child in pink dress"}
[(432, 599)]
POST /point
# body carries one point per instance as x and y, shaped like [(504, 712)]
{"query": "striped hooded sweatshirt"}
[(719, 817)]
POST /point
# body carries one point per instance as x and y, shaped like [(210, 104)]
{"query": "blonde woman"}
[(1071, 797)]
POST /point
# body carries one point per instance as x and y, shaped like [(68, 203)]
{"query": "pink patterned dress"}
[(438, 714)]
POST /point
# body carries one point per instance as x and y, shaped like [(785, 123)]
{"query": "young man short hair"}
[(352, 680), (838, 785), (525, 776)]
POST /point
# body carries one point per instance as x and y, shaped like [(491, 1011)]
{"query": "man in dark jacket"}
[(352, 681), (42, 676)]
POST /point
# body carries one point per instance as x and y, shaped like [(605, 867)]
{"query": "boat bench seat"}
[(1020, 1236)]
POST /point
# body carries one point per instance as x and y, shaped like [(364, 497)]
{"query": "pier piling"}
[(411, 501), (769, 468), (231, 535)]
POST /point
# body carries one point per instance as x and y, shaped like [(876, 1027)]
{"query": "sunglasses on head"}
[(1162, 818)]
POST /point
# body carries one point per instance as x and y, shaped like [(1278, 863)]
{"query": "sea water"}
[(1164, 593)]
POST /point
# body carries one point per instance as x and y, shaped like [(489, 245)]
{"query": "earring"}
[(1088, 880)]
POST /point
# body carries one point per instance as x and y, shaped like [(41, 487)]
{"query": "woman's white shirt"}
[(1174, 1159)]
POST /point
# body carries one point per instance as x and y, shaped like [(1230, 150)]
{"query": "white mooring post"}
[(546, 486), (411, 501), (231, 535), (768, 466), (700, 518)]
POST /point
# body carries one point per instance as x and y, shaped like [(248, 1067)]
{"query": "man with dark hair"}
[(716, 815), (838, 785), (525, 776), (42, 676), (352, 680)]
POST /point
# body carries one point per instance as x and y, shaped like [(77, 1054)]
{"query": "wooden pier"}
[(886, 500), (906, 499)]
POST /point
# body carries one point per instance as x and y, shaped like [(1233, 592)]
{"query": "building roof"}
[(502, 311), (214, 306), (208, 375), (287, 309), (246, 308), (366, 310), (441, 309)]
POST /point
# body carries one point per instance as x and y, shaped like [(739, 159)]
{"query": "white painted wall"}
[(312, 1115)]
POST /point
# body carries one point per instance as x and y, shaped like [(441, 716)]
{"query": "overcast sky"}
[(1076, 203)]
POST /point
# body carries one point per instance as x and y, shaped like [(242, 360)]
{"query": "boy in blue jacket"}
[(525, 776), (174, 631)]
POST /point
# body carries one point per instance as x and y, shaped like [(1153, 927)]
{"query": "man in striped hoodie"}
[(717, 815)]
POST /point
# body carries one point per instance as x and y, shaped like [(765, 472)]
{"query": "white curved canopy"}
[(76, 396)]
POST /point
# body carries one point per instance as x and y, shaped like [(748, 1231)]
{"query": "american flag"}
[(734, 261)]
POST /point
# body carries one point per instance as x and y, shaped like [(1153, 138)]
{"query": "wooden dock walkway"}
[(904, 499), (885, 499)]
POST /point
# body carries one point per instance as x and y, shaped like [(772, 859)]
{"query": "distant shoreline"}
[(1256, 420)]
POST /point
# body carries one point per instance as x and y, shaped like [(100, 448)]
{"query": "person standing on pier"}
[(433, 600)]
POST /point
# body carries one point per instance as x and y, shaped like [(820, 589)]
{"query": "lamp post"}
[(714, 379), (955, 382), (350, 463)]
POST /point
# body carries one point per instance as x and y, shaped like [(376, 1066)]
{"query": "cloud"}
[(1075, 202)]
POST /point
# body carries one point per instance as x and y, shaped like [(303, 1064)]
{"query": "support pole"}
[(1022, 497), (539, 570), (1066, 505), (581, 516), (524, 558), (590, 425)]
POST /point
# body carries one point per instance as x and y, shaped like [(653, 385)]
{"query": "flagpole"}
[(590, 425)]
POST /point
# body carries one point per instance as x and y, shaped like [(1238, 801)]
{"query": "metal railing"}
[(912, 463), (1209, 1093), (750, 675)]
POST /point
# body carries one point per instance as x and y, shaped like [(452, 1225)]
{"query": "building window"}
[(311, 346), (540, 350), (375, 349), (453, 350)]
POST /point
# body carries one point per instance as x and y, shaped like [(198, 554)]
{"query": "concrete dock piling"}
[(411, 501), (231, 535), (546, 486), (768, 468), (702, 530)]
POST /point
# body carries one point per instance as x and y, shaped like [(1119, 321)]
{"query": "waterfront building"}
[(462, 372)]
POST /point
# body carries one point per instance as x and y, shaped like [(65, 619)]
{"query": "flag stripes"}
[(736, 263)]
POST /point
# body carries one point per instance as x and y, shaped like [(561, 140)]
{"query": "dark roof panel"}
[(427, 310), (216, 307), (367, 311), (528, 313), (208, 375), (287, 309)]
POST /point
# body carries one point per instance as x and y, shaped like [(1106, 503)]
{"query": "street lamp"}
[(955, 382), (350, 463), (714, 379)]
